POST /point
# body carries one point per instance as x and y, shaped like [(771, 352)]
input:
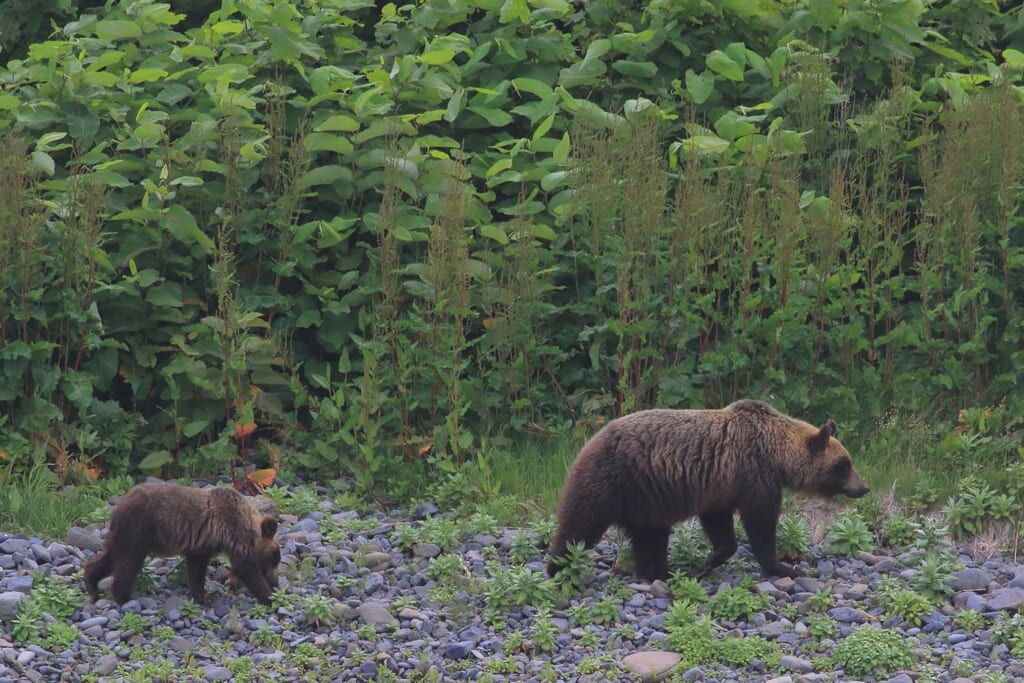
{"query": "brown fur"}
[(165, 519), (649, 470)]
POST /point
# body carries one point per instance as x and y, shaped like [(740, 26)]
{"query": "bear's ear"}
[(820, 440), (268, 527)]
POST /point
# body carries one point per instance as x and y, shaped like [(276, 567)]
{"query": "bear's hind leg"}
[(650, 550), (96, 569), (126, 569), (718, 526)]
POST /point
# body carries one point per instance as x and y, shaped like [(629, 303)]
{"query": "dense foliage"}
[(379, 234)]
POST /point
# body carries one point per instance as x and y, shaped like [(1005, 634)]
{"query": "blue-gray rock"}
[(800, 666), (426, 510), (305, 524), (41, 553), (970, 580), (22, 583), (218, 673), (374, 584), (458, 650), (848, 615), (1017, 581), (1005, 599), (900, 678), (375, 613), (94, 621), (9, 601), (15, 545), (106, 664), (975, 602), (82, 539)]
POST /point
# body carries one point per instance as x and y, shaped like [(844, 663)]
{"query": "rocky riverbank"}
[(417, 596)]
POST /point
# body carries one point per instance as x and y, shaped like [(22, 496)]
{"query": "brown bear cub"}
[(646, 471), (162, 519)]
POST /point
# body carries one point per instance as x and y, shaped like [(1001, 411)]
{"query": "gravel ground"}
[(405, 596)]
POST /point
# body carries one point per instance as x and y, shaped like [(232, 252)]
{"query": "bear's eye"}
[(841, 469)]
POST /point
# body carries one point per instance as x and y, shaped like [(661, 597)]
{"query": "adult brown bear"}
[(646, 471), (161, 518)]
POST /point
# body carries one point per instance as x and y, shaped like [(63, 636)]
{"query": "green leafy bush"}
[(870, 651)]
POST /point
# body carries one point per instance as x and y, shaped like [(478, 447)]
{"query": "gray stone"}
[(901, 678), (9, 604), (970, 580), (459, 650), (1008, 599), (848, 615), (780, 679), (427, 550), (80, 538), (375, 613), (1017, 581), (800, 666), (659, 589), (106, 664), (221, 673), (651, 665), (774, 629), (21, 584)]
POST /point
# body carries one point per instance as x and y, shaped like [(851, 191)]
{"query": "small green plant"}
[(902, 602), (405, 536), (626, 632), (681, 613), (1010, 631), (794, 536), (191, 609), (617, 590), (572, 566), (969, 620), (695, 641), (743, 651), (448, 569), (403, 602), (898, 531), (500, 665), (605, 611), (265, 636), (822, 601), (543, 631), (822, 626), (441, 531), (133, 621), (580, 614), (318, 610), (934, 579), (514, 642), (588, 639), (688, 548), (366, 632), (60, 636), (736, 604), (686, 588), (870, 651), (849, 533), (524, 546)]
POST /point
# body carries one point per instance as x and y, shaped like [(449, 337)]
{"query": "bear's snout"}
[(856, 487)]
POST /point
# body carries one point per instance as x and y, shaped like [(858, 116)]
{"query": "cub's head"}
[(268, 551), (832, 470)]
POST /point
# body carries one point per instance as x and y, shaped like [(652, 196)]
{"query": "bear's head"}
[(832, 470), (268, 551)]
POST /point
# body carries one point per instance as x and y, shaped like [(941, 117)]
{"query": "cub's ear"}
[(820, 440), (268, 527)]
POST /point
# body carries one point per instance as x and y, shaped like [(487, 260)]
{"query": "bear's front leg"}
[(761, 524), (195, 566), (718, 526), (250, 575), (650, 550)]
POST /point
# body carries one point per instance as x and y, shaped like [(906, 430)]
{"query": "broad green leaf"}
[(326, 142), (8, 102), (562, 149), (44, 161), (83, 124), (495, 117), (494, 232), (438, 57), (635, 69), (723, 64), (533, 86), (947, 52), (699, 87), (326, 175), (826, 13), (1014, 58), (147, 75), (111, 29), (498, 166), (156, 460), (338, 123), (515, 10), (456, 104), (543, 128), (732, 126), (706, 144), (178, 221)]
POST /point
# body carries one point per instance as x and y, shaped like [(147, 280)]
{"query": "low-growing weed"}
[(687, 588), (902, 602), (737, 604), (870, 651), (849, 533), (794, 536)]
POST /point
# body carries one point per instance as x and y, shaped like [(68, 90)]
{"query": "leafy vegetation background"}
[(381, 239)]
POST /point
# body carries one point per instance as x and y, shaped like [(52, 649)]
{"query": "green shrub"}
[(870, 651)]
